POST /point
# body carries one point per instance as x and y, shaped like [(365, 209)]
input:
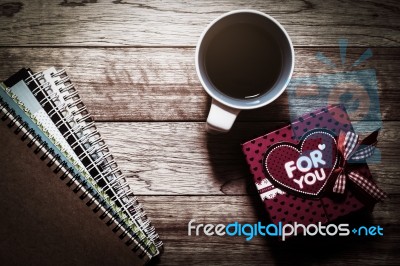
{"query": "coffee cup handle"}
[(221, 118)]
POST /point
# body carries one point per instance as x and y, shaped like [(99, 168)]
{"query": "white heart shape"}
[(321, 147)]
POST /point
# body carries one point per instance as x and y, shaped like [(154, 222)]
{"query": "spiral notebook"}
[(47, 110)]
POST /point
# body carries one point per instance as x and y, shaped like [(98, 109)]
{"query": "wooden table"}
[(133, 63)]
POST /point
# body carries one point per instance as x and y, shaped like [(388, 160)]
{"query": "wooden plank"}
[(160, 84), (179, 158), (171, 214), (177, 23)]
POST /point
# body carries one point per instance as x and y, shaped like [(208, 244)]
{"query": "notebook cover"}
[(25, 74), (45, 223), (76, 186)]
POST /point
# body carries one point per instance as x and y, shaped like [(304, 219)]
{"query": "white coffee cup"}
[(224, 107)]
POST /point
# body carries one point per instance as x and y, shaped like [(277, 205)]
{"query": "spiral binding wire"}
[(88, 138), (54, 161)]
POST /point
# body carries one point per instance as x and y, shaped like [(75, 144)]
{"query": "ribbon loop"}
[(350, 149), (340, 183), (371, 188), (363, 153), (350, 143)]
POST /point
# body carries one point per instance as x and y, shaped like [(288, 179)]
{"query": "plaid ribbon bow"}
[(350, 149)]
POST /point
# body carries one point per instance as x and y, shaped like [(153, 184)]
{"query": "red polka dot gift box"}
[(313, 170)]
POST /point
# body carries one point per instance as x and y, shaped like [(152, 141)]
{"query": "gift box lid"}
[(292, 168)]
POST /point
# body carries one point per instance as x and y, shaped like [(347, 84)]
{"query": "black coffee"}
[(243, 61)]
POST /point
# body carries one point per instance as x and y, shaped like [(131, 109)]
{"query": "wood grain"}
[(133, 64), (178, 23), (171, 215), (179, 158), (160, 84)]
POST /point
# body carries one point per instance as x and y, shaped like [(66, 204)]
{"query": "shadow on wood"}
[(225, 154)]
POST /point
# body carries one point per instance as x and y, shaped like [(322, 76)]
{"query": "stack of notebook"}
[(50, 212)]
